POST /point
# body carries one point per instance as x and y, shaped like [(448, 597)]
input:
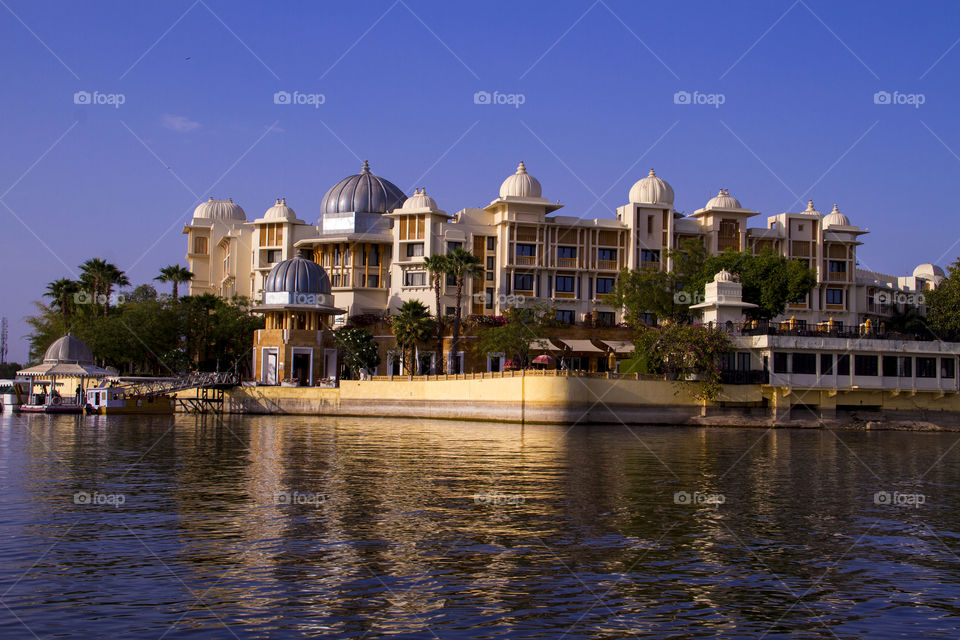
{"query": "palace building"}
[(371, 240)]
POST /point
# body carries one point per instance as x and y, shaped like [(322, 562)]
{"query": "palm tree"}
[(439, 266), (463, 265), (101, 277), (62, 292), (176, 275), (411, 327)]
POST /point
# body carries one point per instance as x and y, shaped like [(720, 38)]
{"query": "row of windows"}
[(564, 284), (530, 250), (863, 365)]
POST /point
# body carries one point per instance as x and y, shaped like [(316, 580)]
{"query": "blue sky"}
[(597, 82)]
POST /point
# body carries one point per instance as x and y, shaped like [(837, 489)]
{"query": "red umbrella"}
[(543, 359)]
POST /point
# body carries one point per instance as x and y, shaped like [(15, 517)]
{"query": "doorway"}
[(268, 366), (303, 366)]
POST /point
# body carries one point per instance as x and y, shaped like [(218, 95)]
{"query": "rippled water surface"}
[(273, 527)]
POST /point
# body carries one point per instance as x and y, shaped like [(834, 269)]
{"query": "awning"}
[(581, 346), (620, 346), (70, 369), (542, 344)]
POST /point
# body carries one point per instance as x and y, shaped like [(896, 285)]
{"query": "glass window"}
[(926, 367), (606, 254), (454, 245), (649, 255), (490, 264), (565, 315), (947, 367), (565, 284), (488, 299), (414, 249), (373, 280), (414, 278), (865, 365), (843, 364), (200, 246), (834, 296), (837, 266), (906, 367), (491, 243), (273, 255), (606, 319), (780, 362), (805, 363), (567, 252), (489, 276), (604, 285), (890, 368), (526, 249), (826, 364), (523, 281)]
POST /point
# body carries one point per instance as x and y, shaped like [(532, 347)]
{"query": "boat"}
[(109, 399), (46, 400)]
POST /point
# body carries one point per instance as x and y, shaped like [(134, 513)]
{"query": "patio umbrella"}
[(543, 359)]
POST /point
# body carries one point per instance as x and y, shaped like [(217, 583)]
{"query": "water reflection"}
[(338, 527)]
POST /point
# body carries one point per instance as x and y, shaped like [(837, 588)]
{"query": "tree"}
[(463, 265), (686, 351), (62, 292), (176, 275), (943, 305), (439, 266), (412, 326), (357, 348), (513, 339), (100, 277), (642, 291)]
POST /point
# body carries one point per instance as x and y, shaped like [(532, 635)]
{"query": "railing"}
[(607, 265), (745, 377), (543, 373), (567, 262), (197, 380), (764, 329), (526, 260)]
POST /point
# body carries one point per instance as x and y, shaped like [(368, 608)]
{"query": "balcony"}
[(607, 265), (567, 262), (526, 260)]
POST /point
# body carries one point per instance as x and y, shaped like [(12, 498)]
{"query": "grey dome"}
[(363, 192), (69, 349), (297, 275)]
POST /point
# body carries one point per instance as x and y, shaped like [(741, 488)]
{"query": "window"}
[(565, 284), (273, 255), (799, 227), (374, 256), (649, 255), (565, 316), (567, 252), (200, 246), (414, 278), (523, 281), (649, 225), (805, 363), (526, 249), (890, 369), (450, 311), (488, 302), (607, 254), (926, 367), (947, 367), (606, 319), (826, 364), (451, 246), (604, 285), (490, 276), (491, 243), (335, 280), (865, 365), (336, 256), (843, 364), (834, 296), (780, 362), (414, 249), (373, 280), (490, 264), (906, 367), (837, 266)]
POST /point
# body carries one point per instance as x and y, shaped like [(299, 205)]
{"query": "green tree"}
[(642, 291), (686, 353), (61, 293), (439, 266), (463, 265), (176, 275), (357, 349), (943, 305), (100, 277), (523, 328), (412, 326)]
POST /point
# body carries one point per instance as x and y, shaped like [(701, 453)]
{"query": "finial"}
[(283, 201), (521, 168), (719, 192), (835, 210), (211, 199), (229, 199), (809, 205), (652, 174), (726, 192), (366, 167), (423, 191)]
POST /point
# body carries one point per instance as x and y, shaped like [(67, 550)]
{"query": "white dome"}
[(651, 190), (220, 210), (520, 185), (723, 200), (835, 219), (723, 276), (280, 211), (419, 201), (928, 271)]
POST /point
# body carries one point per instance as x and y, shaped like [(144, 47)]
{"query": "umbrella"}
[(543, 359), (509, 365)]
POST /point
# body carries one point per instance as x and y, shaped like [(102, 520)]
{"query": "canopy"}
[(581, 345), (71, 369), (620, 346), (542, 344), (543, 359)]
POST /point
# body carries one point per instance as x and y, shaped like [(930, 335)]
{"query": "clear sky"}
[(786, 91)]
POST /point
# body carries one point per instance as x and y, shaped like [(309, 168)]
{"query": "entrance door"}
[(269, 373), (302, 366)]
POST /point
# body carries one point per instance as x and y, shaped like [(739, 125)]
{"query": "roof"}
[(581, 345), (620, 346), (363, 192), (65, 369), (297, 275)]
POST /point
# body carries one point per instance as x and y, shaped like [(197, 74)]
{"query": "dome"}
[(835, 219), (220, 210), (723, 276), (928, 271), (363, 192), (521, 185), (280, 211), (297, 275), (810, 208), (69, 349), (419, 200), (651, 190), (723, 200)]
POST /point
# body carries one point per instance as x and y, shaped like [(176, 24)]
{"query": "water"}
[(276, 527)]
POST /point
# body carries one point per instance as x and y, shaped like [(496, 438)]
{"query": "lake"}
[(287, 527)]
